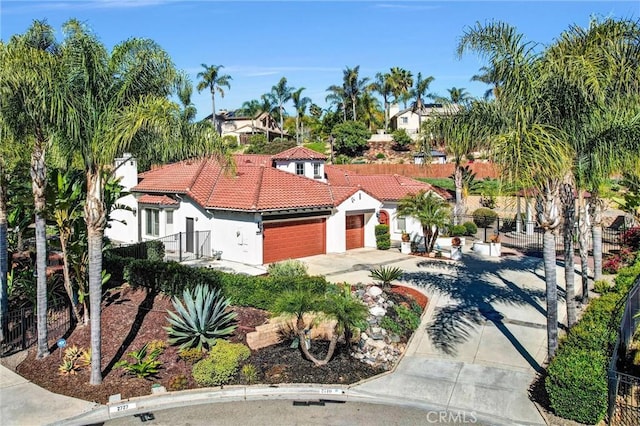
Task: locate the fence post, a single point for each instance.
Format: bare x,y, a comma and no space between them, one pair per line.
23,326
180,246
197,244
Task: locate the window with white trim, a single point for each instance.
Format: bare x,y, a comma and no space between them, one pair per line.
152,222
404,120
316,170
401,224
300,168
169,217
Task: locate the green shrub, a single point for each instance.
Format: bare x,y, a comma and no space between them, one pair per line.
601,286
470,228
287,269
155,250
170,278
145,363
391,326
383,238
386,274
221,365
177,383
577,385
191,355
484,217
457,230
380,156
249,373
409,320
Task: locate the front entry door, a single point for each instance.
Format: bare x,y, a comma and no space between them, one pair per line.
189,242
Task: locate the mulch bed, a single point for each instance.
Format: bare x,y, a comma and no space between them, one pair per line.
420,298
131,318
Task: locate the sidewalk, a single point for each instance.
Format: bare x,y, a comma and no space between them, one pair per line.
481,340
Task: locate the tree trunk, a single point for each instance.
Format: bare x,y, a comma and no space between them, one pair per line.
281,122
549,219
297,130
310,357
353,107
64,239
4,261
569,214
458,183
95,217
583,234
38,185
386,114
549,247
213,115
595,207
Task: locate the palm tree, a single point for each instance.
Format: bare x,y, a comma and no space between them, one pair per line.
489,76
300,104
529,150
457,131
29,106
430,210
383,86
281,94
338,97
458,95
419,92
353,87
401,82
116,102
214,81
251,109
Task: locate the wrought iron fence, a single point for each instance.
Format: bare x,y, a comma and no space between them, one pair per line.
180,247
527,236
624,389
21,331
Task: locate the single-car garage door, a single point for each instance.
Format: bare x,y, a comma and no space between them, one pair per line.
290,240
355,231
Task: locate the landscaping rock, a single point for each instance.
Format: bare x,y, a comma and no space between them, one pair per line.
374,291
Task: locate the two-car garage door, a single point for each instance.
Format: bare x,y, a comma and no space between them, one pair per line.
294,239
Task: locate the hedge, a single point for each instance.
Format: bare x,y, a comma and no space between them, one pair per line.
577,377
383,238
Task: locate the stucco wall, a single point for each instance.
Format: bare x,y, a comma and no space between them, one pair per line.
290,166
237,235
359,202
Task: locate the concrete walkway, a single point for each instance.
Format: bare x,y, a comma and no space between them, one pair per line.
481,340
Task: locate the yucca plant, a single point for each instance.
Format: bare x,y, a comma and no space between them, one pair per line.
201,319
386,274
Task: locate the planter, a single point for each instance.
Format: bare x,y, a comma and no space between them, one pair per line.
405,247
446,241
487,249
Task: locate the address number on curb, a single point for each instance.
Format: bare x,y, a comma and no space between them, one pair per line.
122,407
331,391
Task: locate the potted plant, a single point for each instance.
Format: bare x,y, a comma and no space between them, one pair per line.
405,237
405,245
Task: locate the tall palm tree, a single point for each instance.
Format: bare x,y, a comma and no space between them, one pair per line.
214,81
383,86
401,82
369,109
29,106
458,95
300,104
338,97
489,76
281,94
457,130
353,87
601,62
251,109
419,92
529,150
430,210
116,102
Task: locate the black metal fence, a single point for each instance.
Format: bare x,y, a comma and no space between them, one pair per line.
527,236
180,247
21,331
624,389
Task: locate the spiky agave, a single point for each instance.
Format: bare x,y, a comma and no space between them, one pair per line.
202,318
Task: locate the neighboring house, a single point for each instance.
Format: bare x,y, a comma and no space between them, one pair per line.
242,128
410,121
270,208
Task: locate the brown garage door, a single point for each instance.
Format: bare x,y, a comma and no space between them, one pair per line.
355,231
290,240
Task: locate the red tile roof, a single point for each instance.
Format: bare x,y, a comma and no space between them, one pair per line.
161,200
382,187
299,153
257,186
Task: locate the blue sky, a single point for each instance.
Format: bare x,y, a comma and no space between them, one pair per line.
310,42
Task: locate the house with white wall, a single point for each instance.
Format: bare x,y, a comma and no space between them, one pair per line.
410,119
266,208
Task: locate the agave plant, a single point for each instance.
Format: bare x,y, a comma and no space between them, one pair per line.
201,319
386,274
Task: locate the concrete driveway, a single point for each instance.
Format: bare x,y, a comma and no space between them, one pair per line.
482,337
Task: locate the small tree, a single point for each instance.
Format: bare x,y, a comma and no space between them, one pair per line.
401,140
350,138
430,210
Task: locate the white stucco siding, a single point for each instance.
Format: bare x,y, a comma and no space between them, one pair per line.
238,236
359,203
123,224
310,168
412,226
